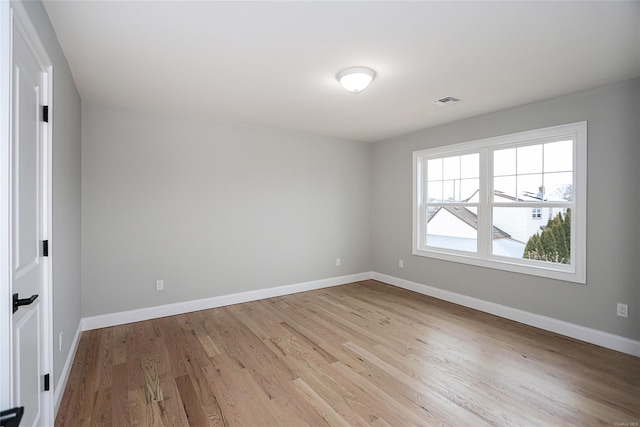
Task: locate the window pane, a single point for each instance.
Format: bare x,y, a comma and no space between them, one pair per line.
530,188
504,162
434,191
434,170
519,233
504,189
450,190
530,159
454,178
451,167
470,166
453,227
558,156
559,186
469,190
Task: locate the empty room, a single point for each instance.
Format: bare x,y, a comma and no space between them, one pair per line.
309,213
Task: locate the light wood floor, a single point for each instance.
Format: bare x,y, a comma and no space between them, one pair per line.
360,354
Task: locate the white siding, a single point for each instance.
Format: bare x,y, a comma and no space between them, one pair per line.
446,224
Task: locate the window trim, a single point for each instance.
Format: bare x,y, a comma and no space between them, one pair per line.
574,272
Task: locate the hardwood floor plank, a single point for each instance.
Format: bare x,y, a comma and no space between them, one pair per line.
380,422
191,403
120,410
258,358
451,409
200,385
101,411
105,358
360,354
152,389
173,340
318,331
86,385
353,404
209,346
237,404
396,412
171,407
331,417
120,338
309,343
271,408
141,414
279,370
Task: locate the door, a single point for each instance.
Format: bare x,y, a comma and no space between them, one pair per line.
28,225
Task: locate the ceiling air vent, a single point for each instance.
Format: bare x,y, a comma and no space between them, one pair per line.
447,100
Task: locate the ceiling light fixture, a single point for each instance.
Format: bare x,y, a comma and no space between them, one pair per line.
356,79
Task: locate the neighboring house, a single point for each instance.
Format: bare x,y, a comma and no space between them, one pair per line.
456,227
523,223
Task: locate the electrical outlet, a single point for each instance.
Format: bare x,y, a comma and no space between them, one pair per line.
337,262
401,264
60,341
623,310
159,285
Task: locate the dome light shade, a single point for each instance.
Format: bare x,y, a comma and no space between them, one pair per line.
356,79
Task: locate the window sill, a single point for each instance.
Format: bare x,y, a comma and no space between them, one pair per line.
539,269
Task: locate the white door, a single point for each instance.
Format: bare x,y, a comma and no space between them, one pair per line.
28,226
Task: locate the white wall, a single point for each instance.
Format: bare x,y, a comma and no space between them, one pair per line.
613,207
213,209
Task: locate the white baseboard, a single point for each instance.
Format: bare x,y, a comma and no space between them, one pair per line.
123,317
61,383
593,336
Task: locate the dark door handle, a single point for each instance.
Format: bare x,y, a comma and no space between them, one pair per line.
11,417
26,301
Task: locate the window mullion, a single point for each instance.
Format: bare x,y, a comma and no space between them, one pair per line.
421,208
484,209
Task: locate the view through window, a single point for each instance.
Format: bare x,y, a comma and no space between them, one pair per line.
511,202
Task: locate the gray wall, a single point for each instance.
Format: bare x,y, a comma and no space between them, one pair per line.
213,209
613,231
65,245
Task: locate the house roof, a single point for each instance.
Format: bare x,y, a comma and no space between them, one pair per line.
526,197
470,218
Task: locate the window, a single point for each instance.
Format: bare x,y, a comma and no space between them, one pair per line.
482,202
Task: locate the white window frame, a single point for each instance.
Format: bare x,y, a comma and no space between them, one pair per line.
573,272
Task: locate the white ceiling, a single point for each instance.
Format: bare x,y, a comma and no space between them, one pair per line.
274,64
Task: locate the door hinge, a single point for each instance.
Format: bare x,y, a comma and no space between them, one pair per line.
45,248
46,382
45,113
